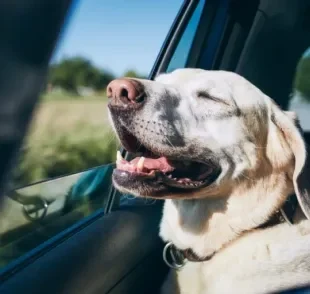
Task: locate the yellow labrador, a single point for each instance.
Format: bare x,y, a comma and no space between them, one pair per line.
226,159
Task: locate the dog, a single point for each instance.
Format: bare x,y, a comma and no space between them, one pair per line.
226,159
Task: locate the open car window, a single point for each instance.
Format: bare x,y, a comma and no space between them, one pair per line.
63,174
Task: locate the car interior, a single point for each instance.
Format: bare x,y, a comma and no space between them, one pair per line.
77,238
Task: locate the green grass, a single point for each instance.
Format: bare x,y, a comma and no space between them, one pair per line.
67,135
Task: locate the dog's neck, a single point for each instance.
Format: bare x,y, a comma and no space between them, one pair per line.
207,225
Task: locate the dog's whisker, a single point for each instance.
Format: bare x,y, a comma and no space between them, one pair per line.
260,147
248,178
169,141
110,136
143,133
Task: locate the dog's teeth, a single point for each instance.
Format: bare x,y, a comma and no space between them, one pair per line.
140,164
119,157
170,176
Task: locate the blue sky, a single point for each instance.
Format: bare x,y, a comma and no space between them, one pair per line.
118,34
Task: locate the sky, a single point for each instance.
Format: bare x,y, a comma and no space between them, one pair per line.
118,35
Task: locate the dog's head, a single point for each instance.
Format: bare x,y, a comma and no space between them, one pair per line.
199,134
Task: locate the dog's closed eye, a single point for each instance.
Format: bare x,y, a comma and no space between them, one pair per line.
206,95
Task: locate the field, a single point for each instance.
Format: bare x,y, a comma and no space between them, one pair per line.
68,134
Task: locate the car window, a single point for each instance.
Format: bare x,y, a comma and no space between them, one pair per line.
64,170
180,55
300,98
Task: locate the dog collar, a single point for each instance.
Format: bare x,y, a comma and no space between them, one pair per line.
284,214
176,258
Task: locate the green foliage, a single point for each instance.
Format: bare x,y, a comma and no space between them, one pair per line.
85,147
71,73
302,77
133,74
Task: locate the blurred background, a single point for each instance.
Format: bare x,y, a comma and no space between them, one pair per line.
102,40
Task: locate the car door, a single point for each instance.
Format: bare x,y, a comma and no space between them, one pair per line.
109,242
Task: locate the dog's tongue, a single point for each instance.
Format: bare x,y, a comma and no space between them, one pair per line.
145,165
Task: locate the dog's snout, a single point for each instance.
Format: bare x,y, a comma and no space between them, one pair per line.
125,91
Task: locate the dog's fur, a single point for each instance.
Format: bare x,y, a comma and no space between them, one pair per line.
196,114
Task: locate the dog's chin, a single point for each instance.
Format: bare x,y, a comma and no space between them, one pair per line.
160,186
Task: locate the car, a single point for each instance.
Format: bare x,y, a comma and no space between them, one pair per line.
76,233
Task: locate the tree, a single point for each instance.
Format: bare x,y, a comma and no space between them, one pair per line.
302,77
131,73
75,72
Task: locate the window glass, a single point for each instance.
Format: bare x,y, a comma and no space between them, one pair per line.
70,131
31,215
300,100
182,50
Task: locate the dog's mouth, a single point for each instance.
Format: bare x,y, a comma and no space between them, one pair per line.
173,173
158,174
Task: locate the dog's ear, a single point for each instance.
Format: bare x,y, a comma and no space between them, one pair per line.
290,131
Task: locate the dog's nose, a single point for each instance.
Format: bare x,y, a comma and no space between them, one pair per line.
125,91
